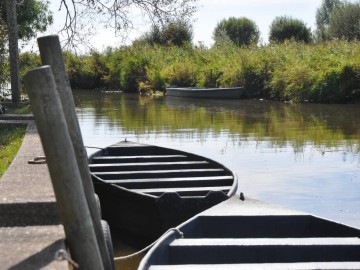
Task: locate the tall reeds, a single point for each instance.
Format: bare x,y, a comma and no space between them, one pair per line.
321,72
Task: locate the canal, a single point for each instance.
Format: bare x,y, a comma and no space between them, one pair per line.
301,156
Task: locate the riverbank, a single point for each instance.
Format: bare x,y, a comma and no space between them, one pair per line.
326,72
30,230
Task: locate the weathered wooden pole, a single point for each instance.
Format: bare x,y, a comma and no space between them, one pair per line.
51,54
64,171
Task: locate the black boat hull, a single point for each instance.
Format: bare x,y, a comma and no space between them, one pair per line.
142,199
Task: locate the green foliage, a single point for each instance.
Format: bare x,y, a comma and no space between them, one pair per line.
241,31
181,74
325,72
345,22
133,69
339,85
86,72
286,28
323,15
175,33
33,16
28,61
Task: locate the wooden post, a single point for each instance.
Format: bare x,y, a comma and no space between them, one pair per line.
51,54
64,171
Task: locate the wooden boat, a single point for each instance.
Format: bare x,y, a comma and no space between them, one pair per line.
145,189
251,234
206,93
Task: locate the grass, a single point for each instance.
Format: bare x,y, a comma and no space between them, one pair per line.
11,137
23,108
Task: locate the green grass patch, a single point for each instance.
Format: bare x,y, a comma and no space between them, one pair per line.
11,137
23,108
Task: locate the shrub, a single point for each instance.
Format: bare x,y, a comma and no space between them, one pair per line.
28,61
241,31
175,33
181,74
286,28
338,85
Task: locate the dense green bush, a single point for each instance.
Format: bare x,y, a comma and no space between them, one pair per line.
286,28
175,33
241,31
28,61
86,71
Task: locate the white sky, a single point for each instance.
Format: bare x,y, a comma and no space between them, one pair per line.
210,12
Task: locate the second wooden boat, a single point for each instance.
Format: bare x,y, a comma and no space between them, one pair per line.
250,234
146,189
206,93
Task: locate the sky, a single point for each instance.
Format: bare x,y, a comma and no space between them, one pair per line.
209,13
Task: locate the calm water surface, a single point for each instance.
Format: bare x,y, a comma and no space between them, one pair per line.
302,156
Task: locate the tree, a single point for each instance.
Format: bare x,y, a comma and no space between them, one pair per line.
24,20
286,28
82,15
241,31
175,33
32,16
323,15
3,50
13,50
345,22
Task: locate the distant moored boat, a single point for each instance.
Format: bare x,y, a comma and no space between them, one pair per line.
206,93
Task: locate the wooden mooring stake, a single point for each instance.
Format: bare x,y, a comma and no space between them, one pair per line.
51,54
65,176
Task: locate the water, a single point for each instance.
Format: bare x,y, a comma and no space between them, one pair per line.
301,156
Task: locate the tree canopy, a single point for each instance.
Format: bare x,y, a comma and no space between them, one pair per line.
21,19
33,16
175,33
345,22
323,15
241,31
286,28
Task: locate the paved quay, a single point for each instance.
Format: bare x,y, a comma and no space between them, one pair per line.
30,230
